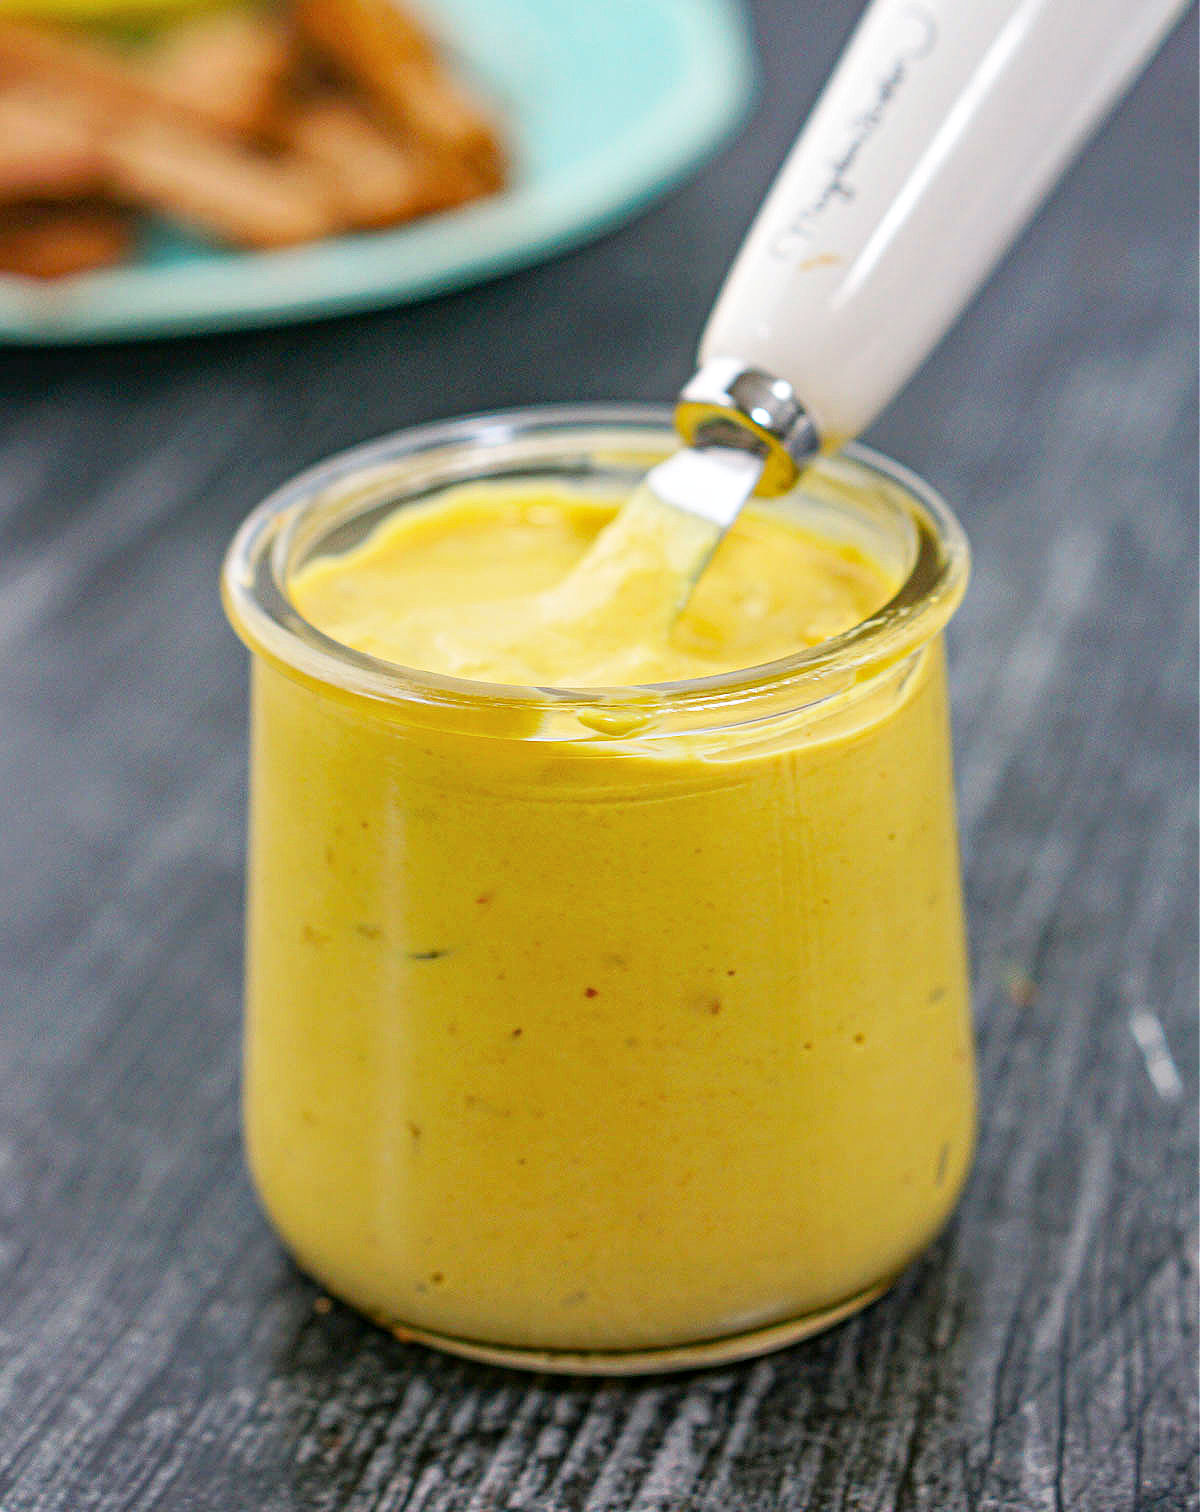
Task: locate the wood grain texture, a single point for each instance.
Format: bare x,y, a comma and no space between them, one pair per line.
158,1351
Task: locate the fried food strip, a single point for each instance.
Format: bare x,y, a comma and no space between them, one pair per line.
46,242
227,68
66,61
439,112
377,177
242,196
387,54
377,180
49,144
224,71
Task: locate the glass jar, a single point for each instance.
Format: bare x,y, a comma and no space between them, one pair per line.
613,1030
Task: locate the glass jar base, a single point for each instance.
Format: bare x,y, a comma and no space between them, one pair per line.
597,1362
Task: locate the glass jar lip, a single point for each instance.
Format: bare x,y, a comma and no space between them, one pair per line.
256,600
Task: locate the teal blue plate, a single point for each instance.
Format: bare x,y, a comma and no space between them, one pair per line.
604,104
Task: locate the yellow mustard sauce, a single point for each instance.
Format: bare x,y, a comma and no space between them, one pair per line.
611,1045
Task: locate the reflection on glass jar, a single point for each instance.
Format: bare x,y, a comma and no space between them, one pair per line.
620,1029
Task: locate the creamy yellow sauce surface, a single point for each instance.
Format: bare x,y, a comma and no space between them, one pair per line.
511,587
607,1044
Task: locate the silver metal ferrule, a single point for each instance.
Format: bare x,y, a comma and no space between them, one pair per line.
730,404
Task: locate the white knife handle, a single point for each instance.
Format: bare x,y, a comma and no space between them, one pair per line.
942,129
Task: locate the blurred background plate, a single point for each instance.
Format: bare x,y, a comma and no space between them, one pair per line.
603,103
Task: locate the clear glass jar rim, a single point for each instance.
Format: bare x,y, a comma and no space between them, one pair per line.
257,602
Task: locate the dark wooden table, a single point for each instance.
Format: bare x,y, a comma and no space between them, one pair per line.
157,1349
